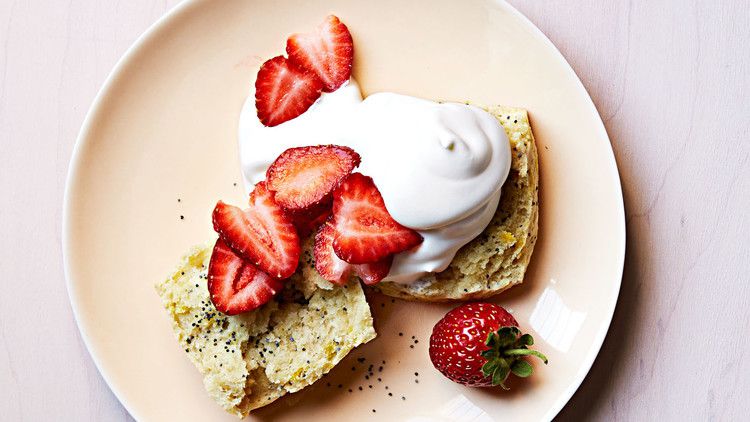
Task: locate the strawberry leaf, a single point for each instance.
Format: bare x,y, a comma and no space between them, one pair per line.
500,374
491,341
526,340
490,353
507,336
521,368
489,368
505,354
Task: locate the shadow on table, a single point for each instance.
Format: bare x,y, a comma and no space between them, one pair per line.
611,367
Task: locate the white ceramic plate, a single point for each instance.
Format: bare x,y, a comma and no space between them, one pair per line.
160,142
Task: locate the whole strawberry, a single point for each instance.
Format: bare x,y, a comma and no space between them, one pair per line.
479,345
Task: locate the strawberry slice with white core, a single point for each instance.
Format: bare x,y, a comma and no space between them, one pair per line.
304,177
328,52
365,231
338,271
283,91
236,285
261,234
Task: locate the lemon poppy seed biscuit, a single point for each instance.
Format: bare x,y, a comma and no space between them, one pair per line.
497,259
250,360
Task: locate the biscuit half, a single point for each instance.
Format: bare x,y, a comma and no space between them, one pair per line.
497,259
250,360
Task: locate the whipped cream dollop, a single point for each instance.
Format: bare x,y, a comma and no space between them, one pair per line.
438,166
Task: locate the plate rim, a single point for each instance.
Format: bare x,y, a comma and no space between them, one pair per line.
590,358
596,347
75,162
94,110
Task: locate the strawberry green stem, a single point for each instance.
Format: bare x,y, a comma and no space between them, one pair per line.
525,352
507,348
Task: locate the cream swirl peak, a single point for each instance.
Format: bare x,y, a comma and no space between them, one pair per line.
438,166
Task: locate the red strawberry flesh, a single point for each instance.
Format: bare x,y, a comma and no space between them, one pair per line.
328,52
262,234
304,177
329,266
365,231
236,285
338,271
375,272
283,91
308,221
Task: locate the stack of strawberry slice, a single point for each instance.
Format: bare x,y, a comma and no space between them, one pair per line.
320,61
306,188
257,248
360,236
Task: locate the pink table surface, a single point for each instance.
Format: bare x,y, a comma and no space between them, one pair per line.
670,79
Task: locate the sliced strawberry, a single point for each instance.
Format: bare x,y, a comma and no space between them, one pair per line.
308,221
338,271
236,285
365,231
373,273
305,176
283,91
328,52
330,266
262,234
